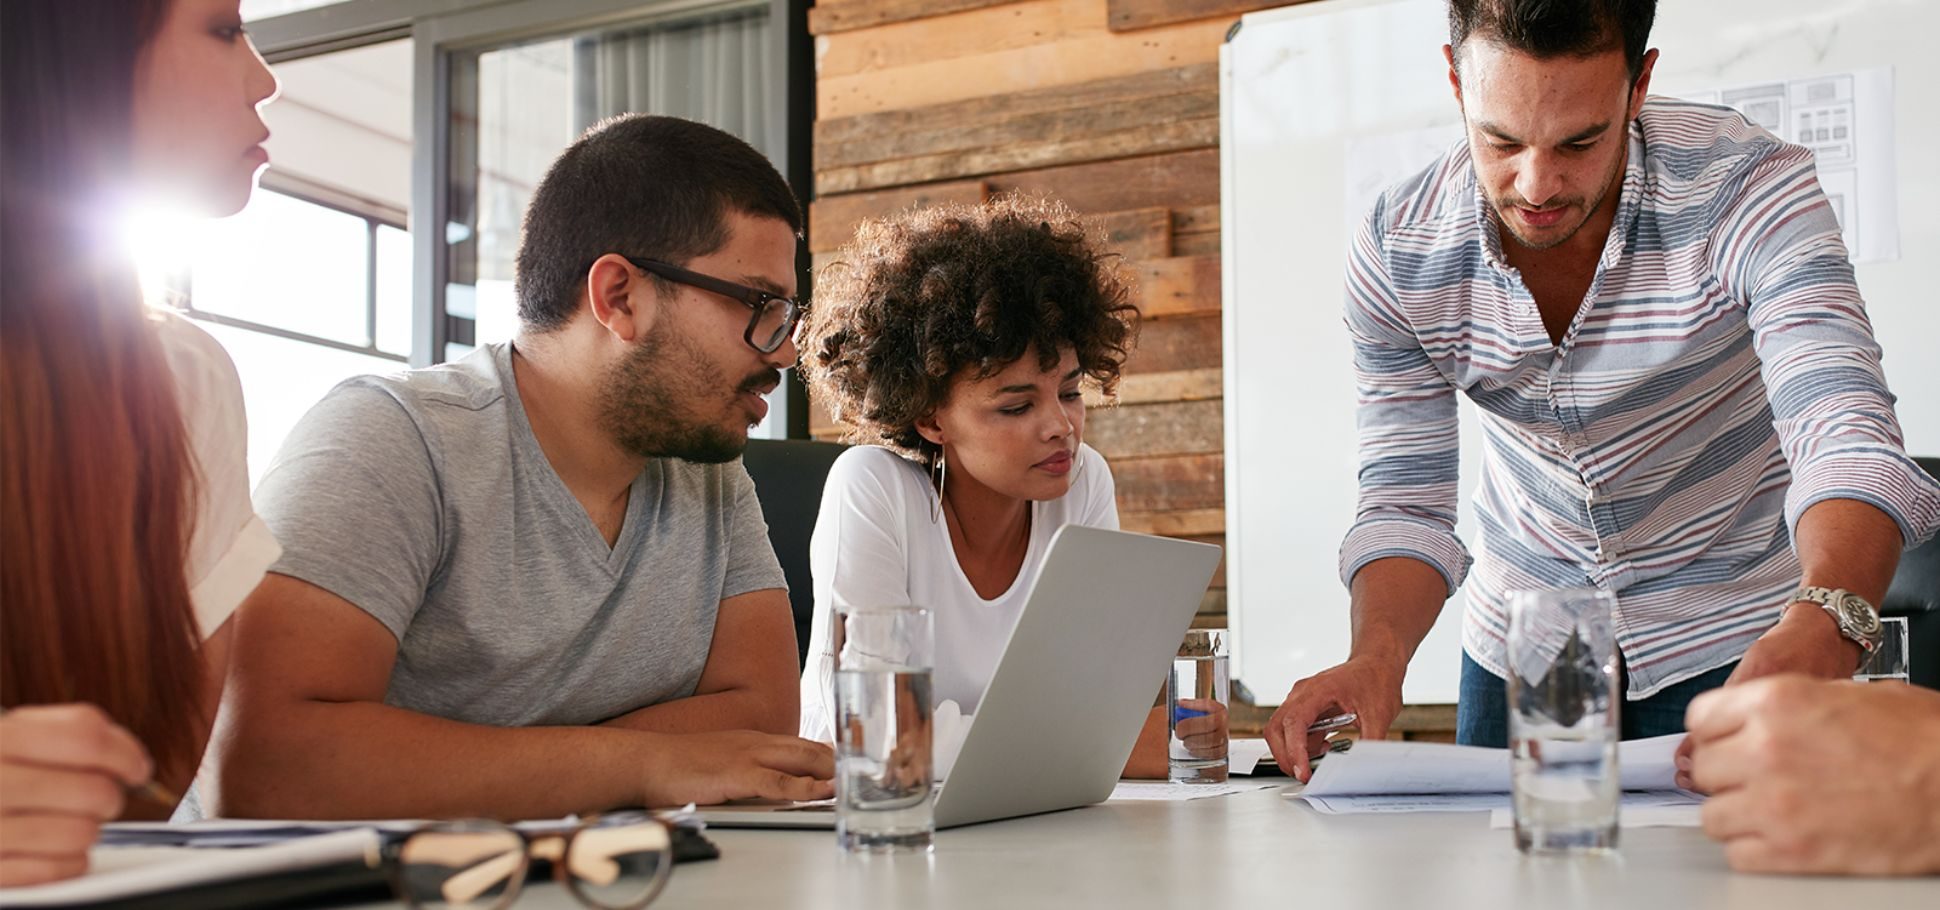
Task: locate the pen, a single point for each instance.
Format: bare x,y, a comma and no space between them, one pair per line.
1336,722
155,793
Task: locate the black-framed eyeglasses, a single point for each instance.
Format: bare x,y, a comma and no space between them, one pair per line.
775,317
613,862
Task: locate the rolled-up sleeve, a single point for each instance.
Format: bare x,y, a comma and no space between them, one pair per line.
1821,364
1407,425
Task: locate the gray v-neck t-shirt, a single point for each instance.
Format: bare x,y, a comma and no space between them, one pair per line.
424,499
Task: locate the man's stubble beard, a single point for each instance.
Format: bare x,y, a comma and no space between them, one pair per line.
648,398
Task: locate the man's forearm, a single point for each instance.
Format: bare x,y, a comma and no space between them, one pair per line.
1841,543
734,709
369,760
1845,543
1395,603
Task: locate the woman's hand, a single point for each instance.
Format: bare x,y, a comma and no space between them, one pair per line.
64,770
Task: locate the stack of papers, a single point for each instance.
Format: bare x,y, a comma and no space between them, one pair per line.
126,872
1378,776
261,862
1247,757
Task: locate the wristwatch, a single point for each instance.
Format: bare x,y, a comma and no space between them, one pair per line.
1856,618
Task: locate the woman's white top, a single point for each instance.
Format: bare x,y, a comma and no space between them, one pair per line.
230,548
875,544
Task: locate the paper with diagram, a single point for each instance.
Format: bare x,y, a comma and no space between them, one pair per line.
1383,777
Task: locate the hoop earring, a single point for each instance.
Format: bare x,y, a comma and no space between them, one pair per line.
940,474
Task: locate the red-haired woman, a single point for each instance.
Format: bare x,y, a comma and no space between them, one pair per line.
126,532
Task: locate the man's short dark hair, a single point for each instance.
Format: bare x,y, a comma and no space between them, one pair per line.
642,186
1555,28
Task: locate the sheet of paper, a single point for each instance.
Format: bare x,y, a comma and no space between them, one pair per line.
119,872
1405,802
1641,809
1651,809
1380,767
1247,755
226,833
1171,792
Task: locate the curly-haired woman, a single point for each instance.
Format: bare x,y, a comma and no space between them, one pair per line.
953,343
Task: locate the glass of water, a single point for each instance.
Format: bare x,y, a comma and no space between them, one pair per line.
1563,720
1889,660
1196,696
883,759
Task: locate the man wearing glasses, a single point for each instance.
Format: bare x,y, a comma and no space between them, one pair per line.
536,581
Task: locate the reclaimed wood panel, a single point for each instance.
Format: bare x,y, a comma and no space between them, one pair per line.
1206,244
1171,180
1144,113
970,33
1196,219
1176,385
827,18
1172,483
1135,236
1195,230
1179,286
1189,179
832,220
1169,135
1130,15
938,72
1138,235
1102,104
1175,524
1182,343
1169,428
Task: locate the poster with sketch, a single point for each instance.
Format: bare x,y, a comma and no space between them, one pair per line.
1846,119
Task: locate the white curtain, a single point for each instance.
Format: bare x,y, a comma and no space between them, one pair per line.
714,70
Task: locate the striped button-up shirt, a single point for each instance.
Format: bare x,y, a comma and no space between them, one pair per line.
1719,379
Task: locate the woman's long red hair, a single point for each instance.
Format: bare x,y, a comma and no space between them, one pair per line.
97,489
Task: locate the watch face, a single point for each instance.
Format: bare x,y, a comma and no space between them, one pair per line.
1861,615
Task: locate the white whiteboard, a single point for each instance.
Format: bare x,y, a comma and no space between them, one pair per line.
1302,84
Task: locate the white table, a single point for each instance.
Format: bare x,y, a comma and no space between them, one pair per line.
1239,852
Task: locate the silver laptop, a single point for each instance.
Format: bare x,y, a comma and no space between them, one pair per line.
1091,649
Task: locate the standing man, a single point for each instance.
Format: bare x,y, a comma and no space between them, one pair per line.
536,581
1681,398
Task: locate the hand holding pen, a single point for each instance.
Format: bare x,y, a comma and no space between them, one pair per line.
65,770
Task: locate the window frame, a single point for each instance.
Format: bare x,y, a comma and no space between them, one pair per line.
374,216
440,30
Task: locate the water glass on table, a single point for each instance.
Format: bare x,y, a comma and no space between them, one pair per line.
883,756
1196,696
1890,660
1563,719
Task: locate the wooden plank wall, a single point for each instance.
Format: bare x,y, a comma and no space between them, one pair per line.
1111,106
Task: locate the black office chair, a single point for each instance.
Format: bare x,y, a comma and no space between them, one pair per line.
788,478
1915,594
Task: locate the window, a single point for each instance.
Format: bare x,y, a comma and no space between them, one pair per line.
318,280
302,295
